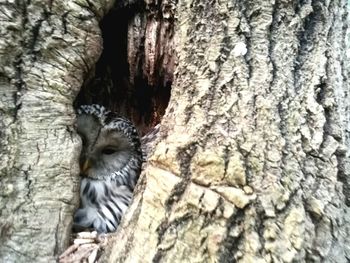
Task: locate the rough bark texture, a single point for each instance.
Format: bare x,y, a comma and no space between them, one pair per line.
252,158
252,161
46,49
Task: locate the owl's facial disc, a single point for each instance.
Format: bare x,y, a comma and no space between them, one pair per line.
105,154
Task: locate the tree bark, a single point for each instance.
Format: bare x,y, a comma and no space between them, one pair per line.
251,163
252,160
46,49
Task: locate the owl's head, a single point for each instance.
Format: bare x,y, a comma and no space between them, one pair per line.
108,142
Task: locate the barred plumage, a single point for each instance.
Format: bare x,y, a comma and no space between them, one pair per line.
110,164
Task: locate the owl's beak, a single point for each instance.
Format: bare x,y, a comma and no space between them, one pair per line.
86,166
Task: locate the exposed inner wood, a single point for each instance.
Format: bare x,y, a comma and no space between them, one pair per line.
134,73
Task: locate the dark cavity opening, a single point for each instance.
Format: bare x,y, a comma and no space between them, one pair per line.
124,79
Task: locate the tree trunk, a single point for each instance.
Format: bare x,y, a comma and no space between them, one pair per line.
46,49
251,162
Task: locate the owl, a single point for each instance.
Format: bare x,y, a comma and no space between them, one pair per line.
110,164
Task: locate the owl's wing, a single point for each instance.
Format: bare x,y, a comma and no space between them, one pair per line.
148,142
